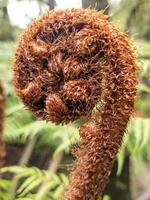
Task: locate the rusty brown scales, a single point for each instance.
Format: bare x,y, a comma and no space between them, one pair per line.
75,63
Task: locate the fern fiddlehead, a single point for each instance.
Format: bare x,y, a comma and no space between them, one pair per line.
2,108
74,63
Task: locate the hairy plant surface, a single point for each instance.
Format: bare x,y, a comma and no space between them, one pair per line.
74,63
2,107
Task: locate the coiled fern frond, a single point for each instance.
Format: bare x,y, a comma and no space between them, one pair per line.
73,64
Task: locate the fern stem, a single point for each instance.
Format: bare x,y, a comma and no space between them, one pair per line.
52,168
24,160
28,151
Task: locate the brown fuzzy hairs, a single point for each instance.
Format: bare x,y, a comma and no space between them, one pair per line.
2,108
75,63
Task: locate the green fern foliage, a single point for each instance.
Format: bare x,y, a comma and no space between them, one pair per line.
31,179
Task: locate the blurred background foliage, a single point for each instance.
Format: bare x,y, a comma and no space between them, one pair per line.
38,153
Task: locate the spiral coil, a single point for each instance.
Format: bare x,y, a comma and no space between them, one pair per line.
74,63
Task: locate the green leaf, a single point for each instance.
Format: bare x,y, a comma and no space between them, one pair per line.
146,133
120,159
32,186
